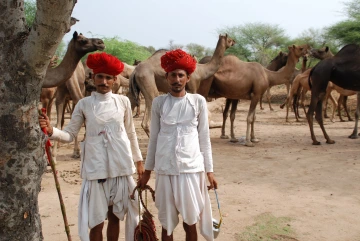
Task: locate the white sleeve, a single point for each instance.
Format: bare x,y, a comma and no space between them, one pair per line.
204,135
73,128
130,130
154,131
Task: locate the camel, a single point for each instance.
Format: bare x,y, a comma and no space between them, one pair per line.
67,76
277,63
341,100
236,79
342,70
301,86
48,94
149,78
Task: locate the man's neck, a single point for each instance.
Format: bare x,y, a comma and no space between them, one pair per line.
179,94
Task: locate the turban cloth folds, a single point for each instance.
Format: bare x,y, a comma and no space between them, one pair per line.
104,63
178,59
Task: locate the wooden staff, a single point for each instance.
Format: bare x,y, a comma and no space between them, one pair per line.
57,184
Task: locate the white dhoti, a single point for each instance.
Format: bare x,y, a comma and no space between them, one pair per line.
185,194
95,198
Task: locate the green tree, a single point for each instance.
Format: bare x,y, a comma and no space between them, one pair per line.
22,153
198,50
347,31
256,42
30,11
316,38
125,50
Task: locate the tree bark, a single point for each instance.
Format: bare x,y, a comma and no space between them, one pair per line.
24,57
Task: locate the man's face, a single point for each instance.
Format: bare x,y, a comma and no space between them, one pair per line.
104,82
177,80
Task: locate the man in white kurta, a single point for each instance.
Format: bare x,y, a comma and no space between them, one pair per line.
107,155
179,151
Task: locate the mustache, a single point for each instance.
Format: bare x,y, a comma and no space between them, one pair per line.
176,84
102,85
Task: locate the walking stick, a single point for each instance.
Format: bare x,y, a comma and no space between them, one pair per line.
57,184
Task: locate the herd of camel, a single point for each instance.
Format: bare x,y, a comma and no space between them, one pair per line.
216,76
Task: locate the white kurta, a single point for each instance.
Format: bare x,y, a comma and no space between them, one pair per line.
180,153
107,153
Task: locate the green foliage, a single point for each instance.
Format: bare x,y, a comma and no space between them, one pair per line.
347,31
316,38
125,50
30,12
256,42
198,50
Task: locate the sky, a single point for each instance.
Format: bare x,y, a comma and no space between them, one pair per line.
156,22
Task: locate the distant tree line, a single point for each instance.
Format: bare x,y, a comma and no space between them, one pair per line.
255,42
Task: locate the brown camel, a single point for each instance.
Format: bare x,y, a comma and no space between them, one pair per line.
277,63
343,70
48,94
149,78
341,100
300,86
72,87
236,79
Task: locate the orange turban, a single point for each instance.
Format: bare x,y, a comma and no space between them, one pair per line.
178,59
104,63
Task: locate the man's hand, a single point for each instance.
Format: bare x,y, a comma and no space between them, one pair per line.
212,181
144,179
140,169
45,123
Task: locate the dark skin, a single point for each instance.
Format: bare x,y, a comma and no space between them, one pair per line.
103,83
177,80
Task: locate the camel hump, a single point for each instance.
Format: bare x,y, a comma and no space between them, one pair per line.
349,51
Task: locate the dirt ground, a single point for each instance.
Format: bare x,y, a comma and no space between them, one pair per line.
284,188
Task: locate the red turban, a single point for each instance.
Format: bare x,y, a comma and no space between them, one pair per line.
104,63
178,59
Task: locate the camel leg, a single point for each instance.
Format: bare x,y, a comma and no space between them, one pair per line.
340,102
253,138
345,98
250,122
302,102
225,115
287,89
310,118
354,135
319,118
334,104
268,96
234,104
149,90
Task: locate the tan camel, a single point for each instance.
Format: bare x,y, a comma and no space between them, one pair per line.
48,94
342,70
300,86
341,100
277,63
149,78
236,79
72,87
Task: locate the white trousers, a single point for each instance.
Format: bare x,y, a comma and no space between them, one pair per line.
186,194
95,198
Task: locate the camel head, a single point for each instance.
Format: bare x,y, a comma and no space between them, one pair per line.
227,41
84,45
281,59
321,53
299,51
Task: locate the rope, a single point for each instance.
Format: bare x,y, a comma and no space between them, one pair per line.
146,230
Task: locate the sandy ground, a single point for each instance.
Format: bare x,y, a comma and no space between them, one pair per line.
315,187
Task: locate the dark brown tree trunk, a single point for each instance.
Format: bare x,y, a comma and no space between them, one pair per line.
24,56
